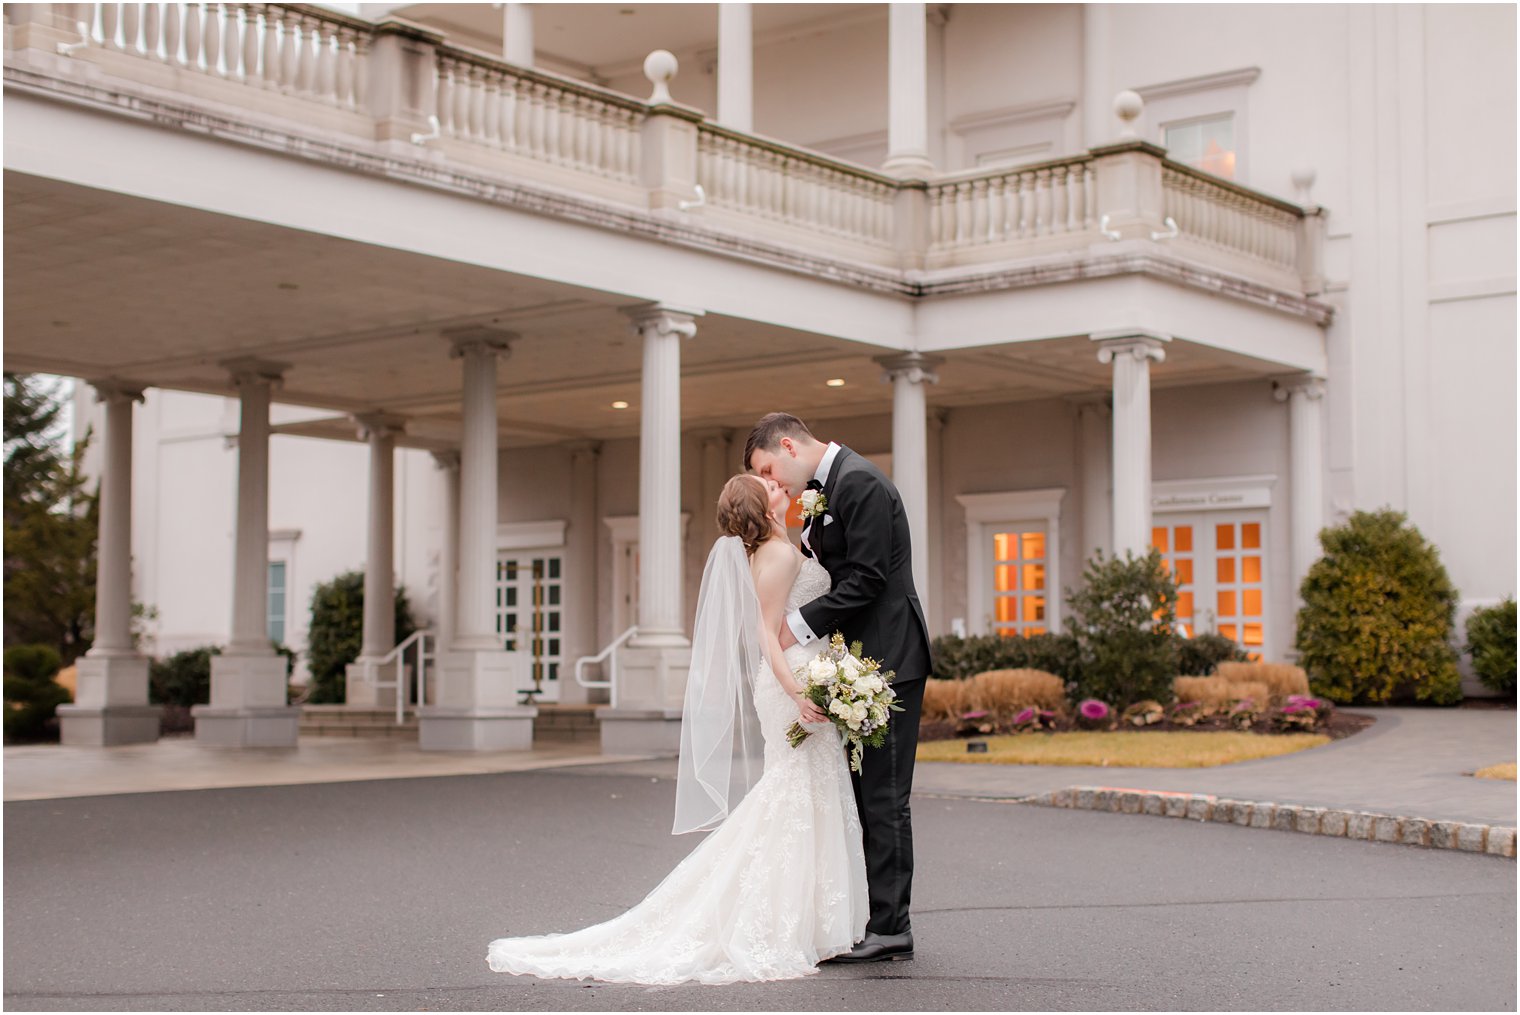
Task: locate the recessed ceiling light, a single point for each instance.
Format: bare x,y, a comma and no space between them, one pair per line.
835,382
620,404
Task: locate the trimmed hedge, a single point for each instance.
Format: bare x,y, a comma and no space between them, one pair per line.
1491,643
1123,619
32,695
1376,624
337,633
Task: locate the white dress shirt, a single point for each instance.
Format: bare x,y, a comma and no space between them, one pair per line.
800,629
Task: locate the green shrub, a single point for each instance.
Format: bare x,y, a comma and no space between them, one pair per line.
183,679
1491,642
337,633
31,702
34,663
1122,620
958,658
1199,656
1376,624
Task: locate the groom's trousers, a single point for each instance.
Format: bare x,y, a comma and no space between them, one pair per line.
881,796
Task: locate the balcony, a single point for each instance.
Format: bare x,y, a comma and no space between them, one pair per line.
396,100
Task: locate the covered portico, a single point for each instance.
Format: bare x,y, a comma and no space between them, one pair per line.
460,297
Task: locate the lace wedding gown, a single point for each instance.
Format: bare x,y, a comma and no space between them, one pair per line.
774,889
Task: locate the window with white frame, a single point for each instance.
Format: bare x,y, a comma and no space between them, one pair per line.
1013,561
1207,143
275,623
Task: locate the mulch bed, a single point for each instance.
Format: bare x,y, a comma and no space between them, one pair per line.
1339,726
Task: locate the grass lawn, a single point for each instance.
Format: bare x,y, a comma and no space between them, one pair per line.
1140,750
1491,772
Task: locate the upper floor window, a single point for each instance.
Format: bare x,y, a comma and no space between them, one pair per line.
1207,143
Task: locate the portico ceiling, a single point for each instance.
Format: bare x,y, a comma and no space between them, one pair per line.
100,284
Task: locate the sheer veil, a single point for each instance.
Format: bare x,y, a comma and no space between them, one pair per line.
721,748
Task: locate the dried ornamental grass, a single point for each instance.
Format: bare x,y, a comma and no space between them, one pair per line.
1005,692
1218,691
1281,679
942,699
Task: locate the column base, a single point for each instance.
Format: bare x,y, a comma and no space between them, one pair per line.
247,726
108,725
640,730
476,729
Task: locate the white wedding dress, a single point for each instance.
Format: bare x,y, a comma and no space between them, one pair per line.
773,890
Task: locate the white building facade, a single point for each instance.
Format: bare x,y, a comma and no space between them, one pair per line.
478,295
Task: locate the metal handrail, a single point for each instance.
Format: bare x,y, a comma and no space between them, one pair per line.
419,638
611,682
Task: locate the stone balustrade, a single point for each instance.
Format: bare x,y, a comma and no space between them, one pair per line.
403,89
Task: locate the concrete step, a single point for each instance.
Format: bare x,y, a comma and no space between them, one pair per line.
566,724
342,721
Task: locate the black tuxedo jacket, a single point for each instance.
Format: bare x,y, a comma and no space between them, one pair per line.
861,539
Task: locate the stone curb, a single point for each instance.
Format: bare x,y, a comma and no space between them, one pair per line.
1494,840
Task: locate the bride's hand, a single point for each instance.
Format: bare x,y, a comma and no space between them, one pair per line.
811,713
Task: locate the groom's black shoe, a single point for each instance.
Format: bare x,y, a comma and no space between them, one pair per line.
879,948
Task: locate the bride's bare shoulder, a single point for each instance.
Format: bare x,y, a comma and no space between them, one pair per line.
777,553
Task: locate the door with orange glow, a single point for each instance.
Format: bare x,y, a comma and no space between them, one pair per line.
1219,563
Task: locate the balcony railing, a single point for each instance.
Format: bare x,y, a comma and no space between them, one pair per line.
405,91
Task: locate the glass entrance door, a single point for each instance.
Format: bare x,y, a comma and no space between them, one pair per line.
1219,563
529,600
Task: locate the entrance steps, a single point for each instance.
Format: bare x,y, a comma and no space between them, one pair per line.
560,724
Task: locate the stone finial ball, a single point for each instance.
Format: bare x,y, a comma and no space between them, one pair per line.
1303,177
660,66
1127,105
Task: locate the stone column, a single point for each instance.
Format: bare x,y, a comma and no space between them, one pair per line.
1306,462
909,372
717,467
934,606
652,670
907,91
248,681
448,562
380,430
582,538
1097,475
111,703
736,61
477,707
517,34
1131,354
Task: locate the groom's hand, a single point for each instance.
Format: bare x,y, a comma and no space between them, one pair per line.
788,639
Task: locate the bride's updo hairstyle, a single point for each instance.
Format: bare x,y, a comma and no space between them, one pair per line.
744,511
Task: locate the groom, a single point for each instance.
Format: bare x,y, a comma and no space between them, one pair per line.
860,536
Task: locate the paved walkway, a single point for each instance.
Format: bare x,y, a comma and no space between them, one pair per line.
1411,762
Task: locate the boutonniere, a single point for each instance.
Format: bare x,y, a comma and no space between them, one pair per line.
814,503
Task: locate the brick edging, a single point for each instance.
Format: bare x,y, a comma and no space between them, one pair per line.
1495,840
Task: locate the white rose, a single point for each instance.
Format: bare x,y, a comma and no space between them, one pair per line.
860,711
870,684
854,724
820,671
854,667
839,708
808,499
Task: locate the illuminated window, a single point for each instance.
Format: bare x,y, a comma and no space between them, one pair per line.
1207,144
1220,576
1018,582
529,600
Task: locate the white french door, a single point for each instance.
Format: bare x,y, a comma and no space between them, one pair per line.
1218,560
529,601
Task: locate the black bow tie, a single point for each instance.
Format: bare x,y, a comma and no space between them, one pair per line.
813,484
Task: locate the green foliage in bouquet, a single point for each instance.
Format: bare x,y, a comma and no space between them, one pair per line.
1491,641
1377,618
853,691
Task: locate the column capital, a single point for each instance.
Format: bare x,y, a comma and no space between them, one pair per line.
478,338
447,459
250,370
1309,386
583,448
712,434
916,367
1097,402
114,389
1141,345
663,320
379,424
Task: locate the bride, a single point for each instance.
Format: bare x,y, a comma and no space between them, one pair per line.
780,884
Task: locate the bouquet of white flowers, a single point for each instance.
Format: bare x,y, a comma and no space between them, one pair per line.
855,692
